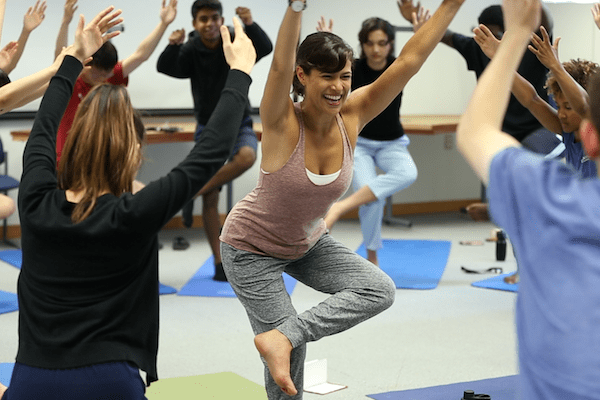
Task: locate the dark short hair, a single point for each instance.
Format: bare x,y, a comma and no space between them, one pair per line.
593,89
375,24
106,57
211,4
324,51
492,16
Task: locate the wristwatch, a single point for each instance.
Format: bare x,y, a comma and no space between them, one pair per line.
297,5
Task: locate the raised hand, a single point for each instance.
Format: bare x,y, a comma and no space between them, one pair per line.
168,12
322,25
89,38
34,16
70,8
419,18
407,9
177,37
546,52
486,40
245,15
7,54
522,14
596,14
239,54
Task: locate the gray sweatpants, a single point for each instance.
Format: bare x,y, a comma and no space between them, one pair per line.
359,290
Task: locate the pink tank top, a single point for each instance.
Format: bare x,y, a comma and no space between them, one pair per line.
283,216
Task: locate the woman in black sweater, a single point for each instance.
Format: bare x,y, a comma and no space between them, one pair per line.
88,288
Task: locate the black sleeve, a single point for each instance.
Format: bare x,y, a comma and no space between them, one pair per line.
39,157
157,203
469,49
260,40
175,61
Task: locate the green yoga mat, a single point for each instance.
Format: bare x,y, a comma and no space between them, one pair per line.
223,385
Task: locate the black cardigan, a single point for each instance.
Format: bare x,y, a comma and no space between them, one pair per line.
88,292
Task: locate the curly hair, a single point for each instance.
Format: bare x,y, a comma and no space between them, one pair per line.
579,69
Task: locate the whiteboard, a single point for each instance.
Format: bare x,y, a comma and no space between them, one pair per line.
442,86
149,89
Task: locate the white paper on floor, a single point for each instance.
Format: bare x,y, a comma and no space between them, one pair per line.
315,378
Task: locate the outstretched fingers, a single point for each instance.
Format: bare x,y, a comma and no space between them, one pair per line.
107,19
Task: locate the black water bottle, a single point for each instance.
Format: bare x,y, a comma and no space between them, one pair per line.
501,246
470,395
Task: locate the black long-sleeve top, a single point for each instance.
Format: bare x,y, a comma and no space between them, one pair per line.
88,292
206,68
385,126
518,121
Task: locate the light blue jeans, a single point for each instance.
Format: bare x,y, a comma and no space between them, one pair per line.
400,171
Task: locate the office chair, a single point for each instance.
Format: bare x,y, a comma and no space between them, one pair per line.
6,183
388,216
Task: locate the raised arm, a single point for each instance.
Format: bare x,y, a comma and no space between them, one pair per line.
146,48
276,105
259,38
523,91
33,18
411,12
63,32
526,94
547,53
368,101
479,136
2,8
17,93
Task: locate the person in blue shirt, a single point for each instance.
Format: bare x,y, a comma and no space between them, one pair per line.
532,198
566,84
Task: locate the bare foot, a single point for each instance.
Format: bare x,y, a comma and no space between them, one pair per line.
333,215
276,349
512,278
2,390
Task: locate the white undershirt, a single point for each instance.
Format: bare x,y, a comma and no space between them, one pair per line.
319,180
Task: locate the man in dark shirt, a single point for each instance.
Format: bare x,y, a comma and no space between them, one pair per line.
518,121
201,59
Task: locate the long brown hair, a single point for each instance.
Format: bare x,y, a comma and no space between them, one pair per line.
102,152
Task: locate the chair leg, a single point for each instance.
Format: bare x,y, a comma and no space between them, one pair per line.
388,216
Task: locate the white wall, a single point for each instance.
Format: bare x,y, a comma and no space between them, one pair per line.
443,86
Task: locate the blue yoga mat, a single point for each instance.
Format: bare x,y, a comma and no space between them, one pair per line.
8,302
13,257
164,289
504,388
412,264
6,373
202,284
497,282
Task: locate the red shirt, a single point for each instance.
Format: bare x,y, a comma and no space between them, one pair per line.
80,90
